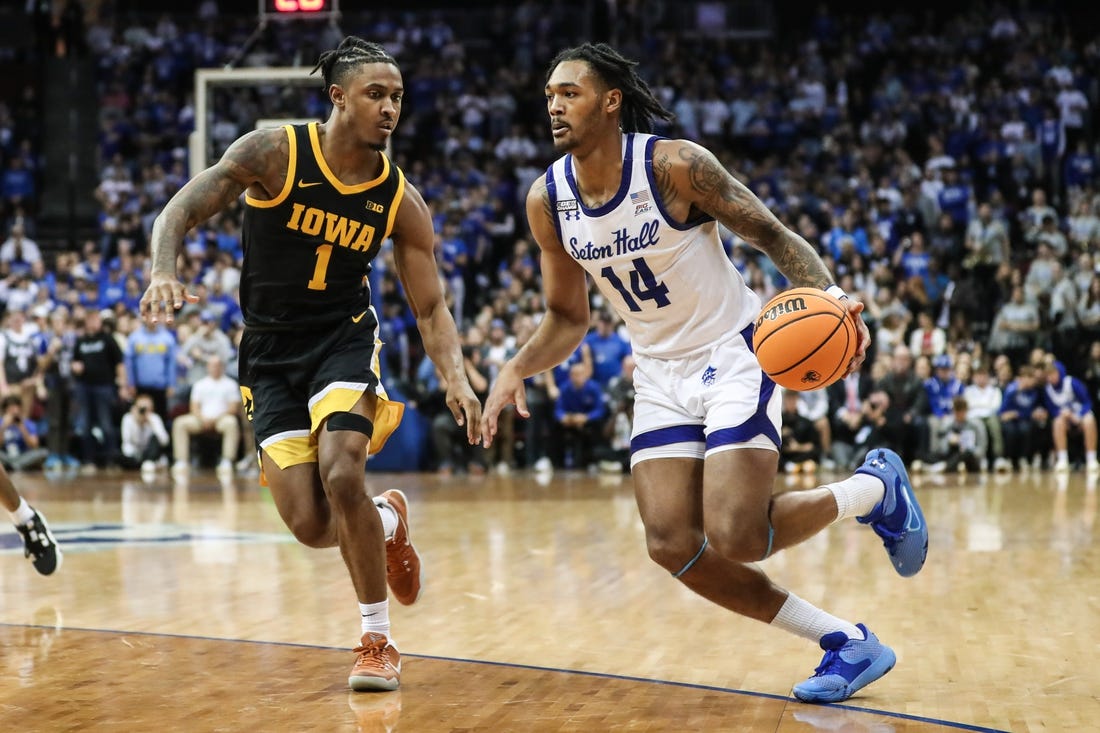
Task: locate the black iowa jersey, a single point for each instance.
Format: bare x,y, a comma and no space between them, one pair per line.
307,251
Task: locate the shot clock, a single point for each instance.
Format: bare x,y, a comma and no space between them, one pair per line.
298,9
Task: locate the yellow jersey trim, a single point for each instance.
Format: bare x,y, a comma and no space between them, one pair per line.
315,142
291,166
398,195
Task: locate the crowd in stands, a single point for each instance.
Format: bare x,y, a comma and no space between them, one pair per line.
945,166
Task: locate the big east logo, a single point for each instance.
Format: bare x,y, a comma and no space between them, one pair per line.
790,305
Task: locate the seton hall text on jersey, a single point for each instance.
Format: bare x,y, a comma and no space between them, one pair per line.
624,243
337,229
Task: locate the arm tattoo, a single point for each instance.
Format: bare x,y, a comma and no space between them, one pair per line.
729,201
254,158
662,174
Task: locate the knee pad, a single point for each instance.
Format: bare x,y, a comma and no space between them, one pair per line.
350,421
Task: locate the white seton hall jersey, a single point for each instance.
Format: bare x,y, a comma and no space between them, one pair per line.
671,283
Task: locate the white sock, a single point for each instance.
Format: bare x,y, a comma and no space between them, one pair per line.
1090,456
857,495
1063,456
802,619
376,617
22,514
388,515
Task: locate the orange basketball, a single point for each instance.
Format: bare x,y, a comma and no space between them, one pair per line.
804,339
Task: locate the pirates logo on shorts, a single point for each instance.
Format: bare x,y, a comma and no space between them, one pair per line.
709,375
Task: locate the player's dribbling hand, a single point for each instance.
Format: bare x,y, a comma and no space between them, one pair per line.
854,309
466,408
165,294
508,390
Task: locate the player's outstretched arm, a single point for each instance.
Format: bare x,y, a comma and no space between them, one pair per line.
414,258
690,174
256,159
565,289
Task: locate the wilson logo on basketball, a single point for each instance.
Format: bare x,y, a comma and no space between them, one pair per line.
790,305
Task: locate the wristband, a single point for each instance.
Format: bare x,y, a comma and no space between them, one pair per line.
836,291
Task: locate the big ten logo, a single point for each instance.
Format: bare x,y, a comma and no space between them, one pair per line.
337,229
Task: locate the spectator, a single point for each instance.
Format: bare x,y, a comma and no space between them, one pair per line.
927,339
144,437
214,407
579,412
21,450
964,441
607,348
207,343
846,398
151,363
99,372
18,251
987,248
56,347
1048,233
452,449
1067,401
940,391
814,406
1015,328
1023,419
18,349
874,423
1088,310
800,449
613,453
984,399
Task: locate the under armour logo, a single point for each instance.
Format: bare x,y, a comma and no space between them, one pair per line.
571,215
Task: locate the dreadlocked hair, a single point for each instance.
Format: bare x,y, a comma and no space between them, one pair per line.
352,52
640,108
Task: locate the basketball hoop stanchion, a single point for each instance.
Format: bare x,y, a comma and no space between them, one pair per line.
206,79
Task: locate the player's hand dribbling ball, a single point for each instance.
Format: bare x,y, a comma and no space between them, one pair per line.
804,339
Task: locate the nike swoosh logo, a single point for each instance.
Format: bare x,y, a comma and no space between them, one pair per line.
356,319
303,184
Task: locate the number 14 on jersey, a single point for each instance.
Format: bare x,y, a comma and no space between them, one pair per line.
643,285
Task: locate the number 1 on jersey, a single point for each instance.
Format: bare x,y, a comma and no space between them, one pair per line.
324,253
642,282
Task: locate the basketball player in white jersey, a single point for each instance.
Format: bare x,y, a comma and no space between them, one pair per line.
638,214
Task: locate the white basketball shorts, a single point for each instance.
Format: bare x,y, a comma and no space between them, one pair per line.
704,403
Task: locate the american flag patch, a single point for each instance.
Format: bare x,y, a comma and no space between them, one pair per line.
639,197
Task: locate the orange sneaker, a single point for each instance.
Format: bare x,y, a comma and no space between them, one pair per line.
402,560
378,666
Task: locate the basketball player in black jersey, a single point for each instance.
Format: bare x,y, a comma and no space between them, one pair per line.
320,199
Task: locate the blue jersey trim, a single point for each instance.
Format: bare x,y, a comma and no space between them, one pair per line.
624,184
667,436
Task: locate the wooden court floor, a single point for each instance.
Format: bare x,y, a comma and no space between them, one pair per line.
187,607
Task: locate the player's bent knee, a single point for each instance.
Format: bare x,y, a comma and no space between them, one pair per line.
741,542
343,480
673,550
312,532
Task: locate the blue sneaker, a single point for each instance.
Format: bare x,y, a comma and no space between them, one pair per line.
848,665
897,519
